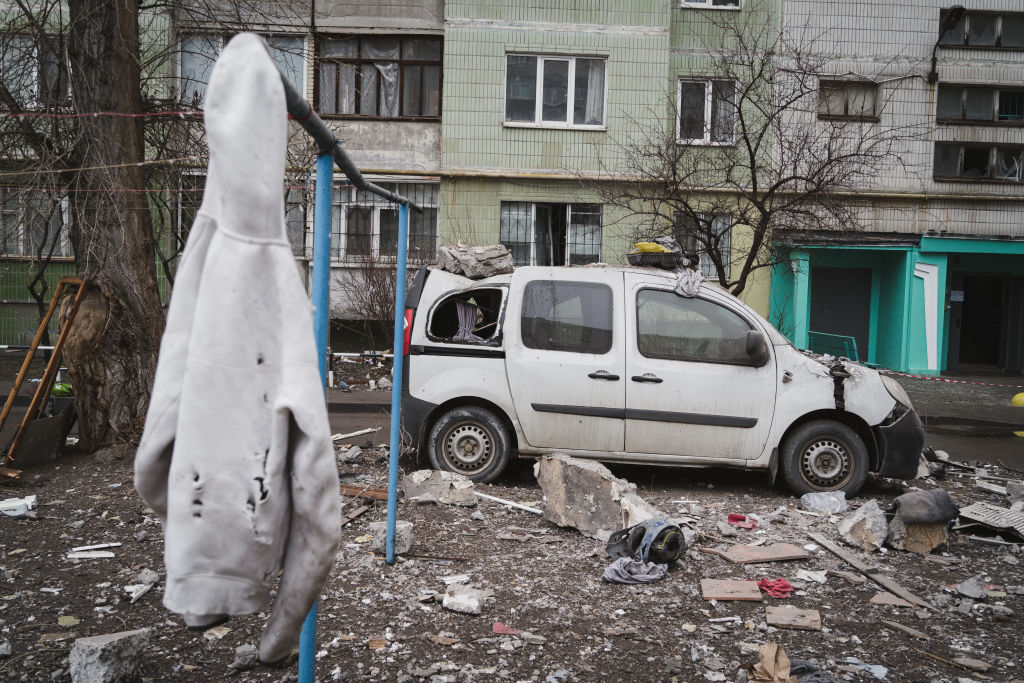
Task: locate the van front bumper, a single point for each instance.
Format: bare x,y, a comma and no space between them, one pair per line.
900,446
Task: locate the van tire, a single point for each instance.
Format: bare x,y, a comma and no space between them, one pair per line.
824,455
471,441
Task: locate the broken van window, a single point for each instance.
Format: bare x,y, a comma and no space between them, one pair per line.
470,316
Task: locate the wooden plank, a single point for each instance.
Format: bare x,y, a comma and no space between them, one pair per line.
355,513
730,589
363,492
793,617
747,554
884,598
906,629
870,572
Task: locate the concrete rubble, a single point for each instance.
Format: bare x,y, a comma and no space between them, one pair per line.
108,658
475,262
403,536
432,486
917,538
246,657
585,495
461,598
865,528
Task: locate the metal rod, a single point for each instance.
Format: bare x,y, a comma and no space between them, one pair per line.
327,143
396,382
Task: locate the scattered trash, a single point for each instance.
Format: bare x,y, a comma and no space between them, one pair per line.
742,521
442,640
990,487
90,555
17,507
97,546
809,672
730,589
825,502
245,657
655,540
5,649
363,492
67,620
365,538
403,536
876,670
146,579
775,588
351,456
110,657
995,519
216,633
816,577
585,495
746,554
773,666
433,486
785,616
865,528
628,570
342,437
906,629
509,503
504,630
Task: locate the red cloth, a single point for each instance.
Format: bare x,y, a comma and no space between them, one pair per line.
777,588
742,522
505,630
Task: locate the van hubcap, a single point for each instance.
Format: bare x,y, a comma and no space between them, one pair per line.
825,463
468,447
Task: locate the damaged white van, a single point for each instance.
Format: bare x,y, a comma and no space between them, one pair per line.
610,363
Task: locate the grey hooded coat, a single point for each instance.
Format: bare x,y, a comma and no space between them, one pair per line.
236,456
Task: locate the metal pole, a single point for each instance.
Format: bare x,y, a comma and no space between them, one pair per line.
321,322
396,381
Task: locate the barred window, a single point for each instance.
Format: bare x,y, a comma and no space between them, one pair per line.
686,230
542,234
364,226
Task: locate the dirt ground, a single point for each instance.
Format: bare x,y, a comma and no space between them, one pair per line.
545,581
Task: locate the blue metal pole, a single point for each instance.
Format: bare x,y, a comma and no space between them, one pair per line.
321,322
396,381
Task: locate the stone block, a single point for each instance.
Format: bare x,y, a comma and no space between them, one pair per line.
585,495
433,486
403,536
865,528
108,658
462,598
917,538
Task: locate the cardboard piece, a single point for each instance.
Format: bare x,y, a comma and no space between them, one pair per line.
793,617
730,589
746,554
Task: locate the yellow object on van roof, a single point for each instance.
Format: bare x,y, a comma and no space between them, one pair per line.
652,248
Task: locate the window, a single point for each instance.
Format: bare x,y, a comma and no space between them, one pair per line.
707,112
35,71
985,30
470,317
31,222
673,327
972,104
712,4
856,100
572,92
365,226
199,51
978,161
685,232
551,234
380,76
567,316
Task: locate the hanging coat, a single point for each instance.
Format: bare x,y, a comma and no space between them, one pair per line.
236,457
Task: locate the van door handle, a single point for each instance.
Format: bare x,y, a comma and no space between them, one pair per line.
604,374
647,377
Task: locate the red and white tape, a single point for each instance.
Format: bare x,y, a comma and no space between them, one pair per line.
951,381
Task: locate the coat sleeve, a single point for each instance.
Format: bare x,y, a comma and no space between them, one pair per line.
315,527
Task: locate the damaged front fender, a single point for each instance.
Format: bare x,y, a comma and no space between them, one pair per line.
900,444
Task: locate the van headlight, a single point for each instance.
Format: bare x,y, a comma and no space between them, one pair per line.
896,391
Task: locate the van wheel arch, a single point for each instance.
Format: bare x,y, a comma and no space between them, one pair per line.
859,426
462,401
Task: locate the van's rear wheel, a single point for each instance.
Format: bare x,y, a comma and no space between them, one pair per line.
824,455
469,440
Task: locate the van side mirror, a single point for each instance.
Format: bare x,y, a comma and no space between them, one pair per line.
757,348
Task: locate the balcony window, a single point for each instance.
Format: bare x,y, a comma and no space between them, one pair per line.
571,92
991,30
980,105
969,161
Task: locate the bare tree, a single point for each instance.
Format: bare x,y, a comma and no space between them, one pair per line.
752,146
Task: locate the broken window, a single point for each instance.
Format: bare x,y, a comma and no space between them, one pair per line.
848,100
471,316
380,76
690,329
955,161
572,90
541,234
958,103
985,30
707,111
567,316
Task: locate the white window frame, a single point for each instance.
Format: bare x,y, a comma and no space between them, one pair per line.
63,252
568,231
538,112
221,40
708,94
340,254
706,4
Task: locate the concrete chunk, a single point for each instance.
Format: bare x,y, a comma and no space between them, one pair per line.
585,495
108,658
433,486
476,262
462,598
403,536
917,538
865,528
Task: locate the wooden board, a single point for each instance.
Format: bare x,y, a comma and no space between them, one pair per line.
363,492
746,554
730,589
793,617
884,598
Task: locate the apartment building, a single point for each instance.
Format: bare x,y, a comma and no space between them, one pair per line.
936,279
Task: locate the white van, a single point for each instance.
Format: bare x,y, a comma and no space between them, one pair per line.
609,363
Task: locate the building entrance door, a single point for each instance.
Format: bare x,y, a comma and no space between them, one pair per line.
841,304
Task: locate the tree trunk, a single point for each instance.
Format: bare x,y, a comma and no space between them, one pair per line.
112,349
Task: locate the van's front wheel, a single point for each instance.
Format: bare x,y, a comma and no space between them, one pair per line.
824,455
469,440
